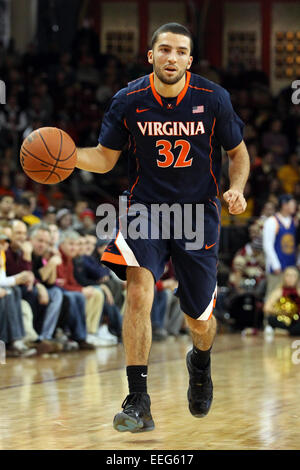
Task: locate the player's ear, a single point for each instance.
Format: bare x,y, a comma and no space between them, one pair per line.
150,57
190,62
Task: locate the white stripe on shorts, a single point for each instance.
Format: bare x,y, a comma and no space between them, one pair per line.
126,251
206,314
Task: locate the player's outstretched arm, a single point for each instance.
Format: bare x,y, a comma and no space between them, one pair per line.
97,159
239,167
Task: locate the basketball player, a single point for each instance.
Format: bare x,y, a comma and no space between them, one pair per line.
175,123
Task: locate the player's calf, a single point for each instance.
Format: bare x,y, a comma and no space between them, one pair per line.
200,391
198,327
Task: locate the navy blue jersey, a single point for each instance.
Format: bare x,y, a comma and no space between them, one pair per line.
174,143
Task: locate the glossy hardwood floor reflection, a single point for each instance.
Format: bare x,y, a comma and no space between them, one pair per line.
68,401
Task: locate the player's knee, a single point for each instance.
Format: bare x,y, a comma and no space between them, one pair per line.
139,297
140,288
138,285
200,327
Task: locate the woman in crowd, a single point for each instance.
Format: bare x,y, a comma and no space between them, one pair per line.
282,308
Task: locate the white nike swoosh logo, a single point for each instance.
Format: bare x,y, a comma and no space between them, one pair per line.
144,375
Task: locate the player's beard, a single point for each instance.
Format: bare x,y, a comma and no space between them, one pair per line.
168,80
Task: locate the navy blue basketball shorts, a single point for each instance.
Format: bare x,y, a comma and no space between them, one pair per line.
145,238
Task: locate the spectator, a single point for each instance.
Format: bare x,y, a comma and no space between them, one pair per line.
6,228
87,218
268,210
20,183
11,317
275,191
34,209
282,307
261,178
249,264
54,240
12,117
37,112
19,259
23,212
80,206
6,208
289,174
279,241
275,141
50,216
64,219
88,272
174,318
244,300
40,239
5,185
18,254
85,302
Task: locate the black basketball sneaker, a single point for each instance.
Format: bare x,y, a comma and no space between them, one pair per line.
200,391
136,415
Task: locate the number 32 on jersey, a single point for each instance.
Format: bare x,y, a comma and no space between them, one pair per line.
169,158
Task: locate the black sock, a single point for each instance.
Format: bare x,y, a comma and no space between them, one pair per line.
200,359
137,378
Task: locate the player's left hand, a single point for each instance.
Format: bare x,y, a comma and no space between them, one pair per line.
236,202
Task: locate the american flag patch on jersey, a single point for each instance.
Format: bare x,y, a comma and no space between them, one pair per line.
198,109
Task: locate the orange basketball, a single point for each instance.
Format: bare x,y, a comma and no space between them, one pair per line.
48,155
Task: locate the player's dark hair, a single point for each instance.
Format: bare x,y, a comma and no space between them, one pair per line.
174,28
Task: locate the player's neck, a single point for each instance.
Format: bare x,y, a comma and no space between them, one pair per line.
169,91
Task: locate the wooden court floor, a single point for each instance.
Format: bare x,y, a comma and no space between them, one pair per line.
68,401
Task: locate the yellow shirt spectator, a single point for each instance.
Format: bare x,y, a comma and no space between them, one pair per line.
289,174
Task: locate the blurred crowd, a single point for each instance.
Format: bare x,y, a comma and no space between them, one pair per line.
55,294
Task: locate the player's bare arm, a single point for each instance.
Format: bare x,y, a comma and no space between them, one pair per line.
239,167
98,159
